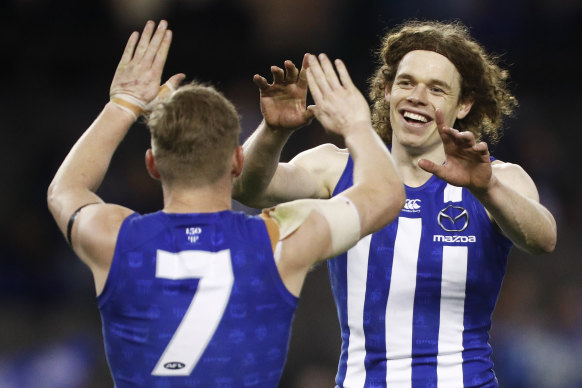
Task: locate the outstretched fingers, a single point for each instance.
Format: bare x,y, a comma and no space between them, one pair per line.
162,51
302,78
318,77
291,72
157,41
429,166
481,147
345,78
449,135
129,48
144,40
278,75
313,86
261,82
329,72
440,121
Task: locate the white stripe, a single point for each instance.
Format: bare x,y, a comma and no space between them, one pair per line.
400,304
357,274
453,193
184,264
450,348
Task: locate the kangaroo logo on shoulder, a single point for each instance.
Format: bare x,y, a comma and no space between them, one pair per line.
453,218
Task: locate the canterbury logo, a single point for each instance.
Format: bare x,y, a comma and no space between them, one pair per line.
453,219
412,205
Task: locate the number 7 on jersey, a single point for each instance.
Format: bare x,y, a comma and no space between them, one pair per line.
205,311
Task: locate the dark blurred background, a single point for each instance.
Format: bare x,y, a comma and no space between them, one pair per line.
59,57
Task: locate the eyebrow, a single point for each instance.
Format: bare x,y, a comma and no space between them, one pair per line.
431,81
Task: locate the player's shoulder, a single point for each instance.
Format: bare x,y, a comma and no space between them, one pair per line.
508,169
326,162
514,175
96,231
327,152
101,218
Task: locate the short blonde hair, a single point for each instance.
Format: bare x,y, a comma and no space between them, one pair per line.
194,132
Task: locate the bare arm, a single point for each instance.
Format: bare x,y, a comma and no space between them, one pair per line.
505,189
342,109
377,194
264,181
94,230
512,200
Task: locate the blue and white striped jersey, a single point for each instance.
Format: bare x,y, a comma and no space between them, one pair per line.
415,299
195,300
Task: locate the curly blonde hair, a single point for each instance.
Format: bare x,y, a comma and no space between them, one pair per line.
482,80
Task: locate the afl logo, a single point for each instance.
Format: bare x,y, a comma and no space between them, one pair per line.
174,365
453,219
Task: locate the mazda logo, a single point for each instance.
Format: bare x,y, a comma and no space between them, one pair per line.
453,219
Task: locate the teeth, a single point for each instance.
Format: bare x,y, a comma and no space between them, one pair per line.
414,116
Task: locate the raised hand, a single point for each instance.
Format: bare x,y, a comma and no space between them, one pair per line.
139,71
467,162
339,105
283,103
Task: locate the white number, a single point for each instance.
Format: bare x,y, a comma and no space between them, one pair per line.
204,313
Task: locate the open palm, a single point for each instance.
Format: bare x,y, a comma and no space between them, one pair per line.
283,103
467,162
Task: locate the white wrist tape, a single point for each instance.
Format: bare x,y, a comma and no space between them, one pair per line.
339,212
129,104
137,107
165,90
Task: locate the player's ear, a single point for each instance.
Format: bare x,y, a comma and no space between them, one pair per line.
237,161
464,108
151,164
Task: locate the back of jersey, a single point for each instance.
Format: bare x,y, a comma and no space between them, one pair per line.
195,300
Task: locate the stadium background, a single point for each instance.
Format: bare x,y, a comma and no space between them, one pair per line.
58,58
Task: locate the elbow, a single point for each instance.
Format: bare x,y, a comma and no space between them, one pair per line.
51,196
391,201
548,245
398,201
251,201
397,195
543,245
56,198
400,197
247,195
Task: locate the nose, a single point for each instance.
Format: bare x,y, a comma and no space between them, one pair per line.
418,95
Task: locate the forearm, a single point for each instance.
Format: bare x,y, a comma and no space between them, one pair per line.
527,223
84,168
377,182
262,152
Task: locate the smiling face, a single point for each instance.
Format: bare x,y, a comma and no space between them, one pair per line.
424,82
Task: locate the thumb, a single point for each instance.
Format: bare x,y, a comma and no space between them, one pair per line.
175,80
309,113
429,166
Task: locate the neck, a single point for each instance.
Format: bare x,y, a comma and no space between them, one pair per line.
406,159
209,198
